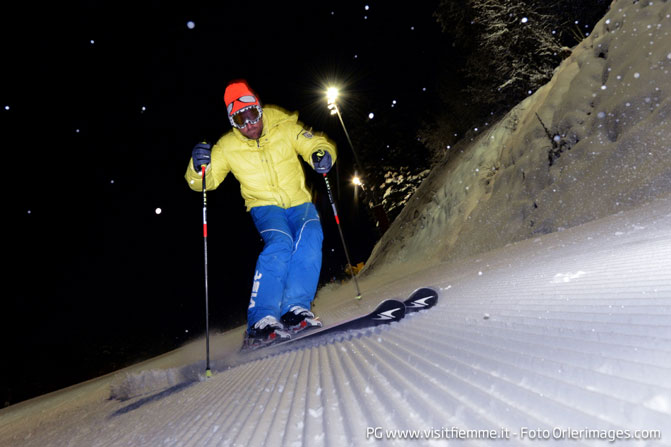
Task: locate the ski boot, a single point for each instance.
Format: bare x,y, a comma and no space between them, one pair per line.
298,319
265,332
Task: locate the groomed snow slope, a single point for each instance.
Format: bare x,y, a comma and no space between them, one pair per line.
570,330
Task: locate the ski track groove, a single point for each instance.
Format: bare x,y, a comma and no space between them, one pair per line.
558,338
294,423
244,410
352,408
393,366
499,362
286,388
649,358
378,384
483,373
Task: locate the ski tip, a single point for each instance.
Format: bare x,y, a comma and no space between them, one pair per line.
208,373
422,298
389,310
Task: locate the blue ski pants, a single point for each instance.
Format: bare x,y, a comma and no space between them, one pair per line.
287,270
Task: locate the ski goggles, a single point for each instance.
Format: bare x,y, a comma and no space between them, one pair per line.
249,115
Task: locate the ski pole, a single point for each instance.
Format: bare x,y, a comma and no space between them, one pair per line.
208,372
342,237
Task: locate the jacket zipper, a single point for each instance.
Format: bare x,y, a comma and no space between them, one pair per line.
269,170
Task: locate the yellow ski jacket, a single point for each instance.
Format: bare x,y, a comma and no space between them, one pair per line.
268,169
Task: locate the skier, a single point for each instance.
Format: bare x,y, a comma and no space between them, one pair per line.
262,152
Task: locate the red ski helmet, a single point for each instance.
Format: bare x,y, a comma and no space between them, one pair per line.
240,98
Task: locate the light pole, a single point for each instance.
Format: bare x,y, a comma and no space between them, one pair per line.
331,97
378,210
356,181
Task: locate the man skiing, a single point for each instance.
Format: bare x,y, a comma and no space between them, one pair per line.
262,152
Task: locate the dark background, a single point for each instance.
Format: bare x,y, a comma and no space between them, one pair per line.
101,105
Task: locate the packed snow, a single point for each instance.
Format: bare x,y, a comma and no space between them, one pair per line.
552,258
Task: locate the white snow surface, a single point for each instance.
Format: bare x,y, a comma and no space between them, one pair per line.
560,329
570,330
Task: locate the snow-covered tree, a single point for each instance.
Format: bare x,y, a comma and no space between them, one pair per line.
510,48
503,50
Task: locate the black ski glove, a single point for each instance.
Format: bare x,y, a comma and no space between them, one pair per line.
201,155
321,161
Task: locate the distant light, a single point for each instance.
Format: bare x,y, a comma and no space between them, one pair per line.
76,130
366,7
356,180
143,109
92,41
371,115
190,24
525,19
112,181
30,212
158,211
412,28
331,95
7,107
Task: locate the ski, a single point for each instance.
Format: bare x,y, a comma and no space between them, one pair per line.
386,312
420,299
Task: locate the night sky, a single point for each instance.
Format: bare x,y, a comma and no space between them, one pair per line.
101,105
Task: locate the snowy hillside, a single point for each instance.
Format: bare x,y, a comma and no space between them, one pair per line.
608,114
539,334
